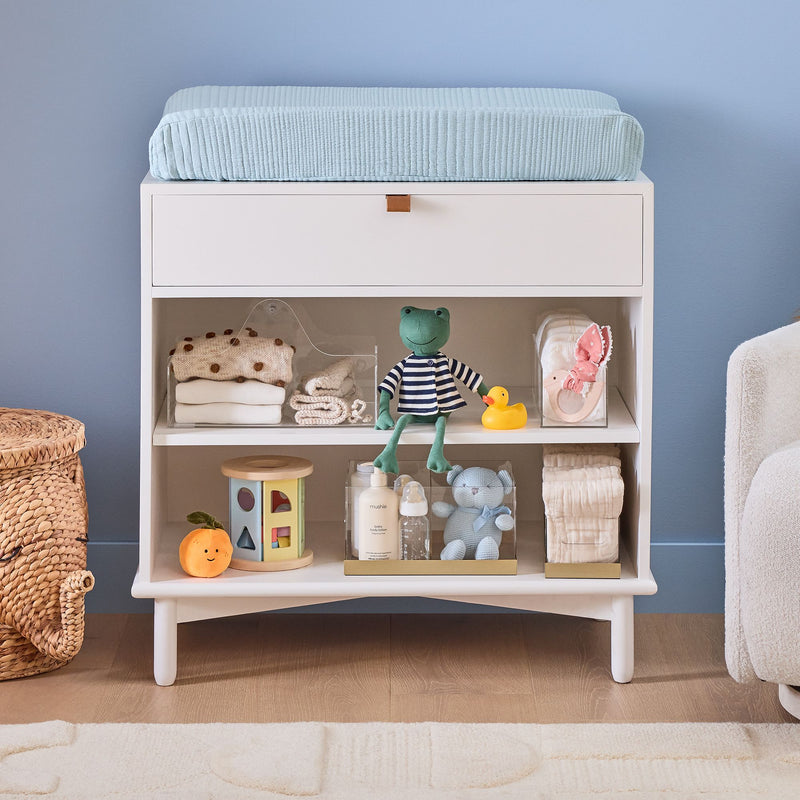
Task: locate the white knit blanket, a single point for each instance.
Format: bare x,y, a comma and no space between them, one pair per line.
231,355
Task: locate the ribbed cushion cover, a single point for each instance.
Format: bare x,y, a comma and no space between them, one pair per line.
307,133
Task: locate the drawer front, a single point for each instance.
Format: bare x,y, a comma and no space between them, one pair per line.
351,240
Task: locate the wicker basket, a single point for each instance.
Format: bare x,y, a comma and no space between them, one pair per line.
43,527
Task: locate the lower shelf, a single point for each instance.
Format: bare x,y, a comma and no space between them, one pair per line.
324,580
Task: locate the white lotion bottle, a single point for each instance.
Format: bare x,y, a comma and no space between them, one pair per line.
378,521
359,481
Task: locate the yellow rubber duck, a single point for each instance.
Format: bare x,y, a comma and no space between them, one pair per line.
500,416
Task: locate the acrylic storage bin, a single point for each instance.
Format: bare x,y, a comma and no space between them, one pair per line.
271,370
447,510
571,353
583,493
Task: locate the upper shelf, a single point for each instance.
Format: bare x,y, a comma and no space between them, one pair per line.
621,429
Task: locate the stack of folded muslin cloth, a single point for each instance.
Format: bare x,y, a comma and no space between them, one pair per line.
582,490
556,336
329,396
234,378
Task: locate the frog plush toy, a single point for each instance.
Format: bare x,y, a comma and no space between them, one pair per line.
426,382
476,522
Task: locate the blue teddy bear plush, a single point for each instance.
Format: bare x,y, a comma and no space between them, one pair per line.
476,523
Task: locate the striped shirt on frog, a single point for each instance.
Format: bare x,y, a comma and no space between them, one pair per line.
426,384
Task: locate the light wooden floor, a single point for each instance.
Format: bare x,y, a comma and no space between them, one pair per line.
353,668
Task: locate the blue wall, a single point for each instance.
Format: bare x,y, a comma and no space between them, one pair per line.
83,85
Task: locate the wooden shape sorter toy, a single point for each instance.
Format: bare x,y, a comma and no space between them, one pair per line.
267,505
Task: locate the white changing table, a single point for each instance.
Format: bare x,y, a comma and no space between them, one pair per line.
497,254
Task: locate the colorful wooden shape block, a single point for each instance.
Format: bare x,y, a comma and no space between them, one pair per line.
267,507
283,519
246,519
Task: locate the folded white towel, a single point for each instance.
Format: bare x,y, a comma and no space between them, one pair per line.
583,472
227,414
335,380
583,493
248,392
327,410
582,540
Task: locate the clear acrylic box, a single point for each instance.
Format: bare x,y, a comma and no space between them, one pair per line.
563,398
437,491
272,370
583,494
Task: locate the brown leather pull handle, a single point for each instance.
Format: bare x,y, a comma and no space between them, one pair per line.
398,202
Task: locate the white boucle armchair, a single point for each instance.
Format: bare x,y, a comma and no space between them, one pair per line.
762,513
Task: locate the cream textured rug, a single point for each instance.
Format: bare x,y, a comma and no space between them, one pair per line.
409,761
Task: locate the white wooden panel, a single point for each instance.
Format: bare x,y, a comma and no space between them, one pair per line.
351,240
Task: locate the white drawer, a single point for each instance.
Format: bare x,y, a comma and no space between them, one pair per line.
351,240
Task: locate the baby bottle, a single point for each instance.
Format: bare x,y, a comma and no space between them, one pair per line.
415,531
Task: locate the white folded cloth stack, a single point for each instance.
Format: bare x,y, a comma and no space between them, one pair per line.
228,403
329,396
234,378
583,490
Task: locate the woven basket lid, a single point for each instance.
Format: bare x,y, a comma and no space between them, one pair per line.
30,437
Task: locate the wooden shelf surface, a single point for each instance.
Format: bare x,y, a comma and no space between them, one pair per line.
325,580
621,429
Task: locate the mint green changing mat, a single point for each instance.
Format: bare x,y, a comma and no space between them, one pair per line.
306,133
